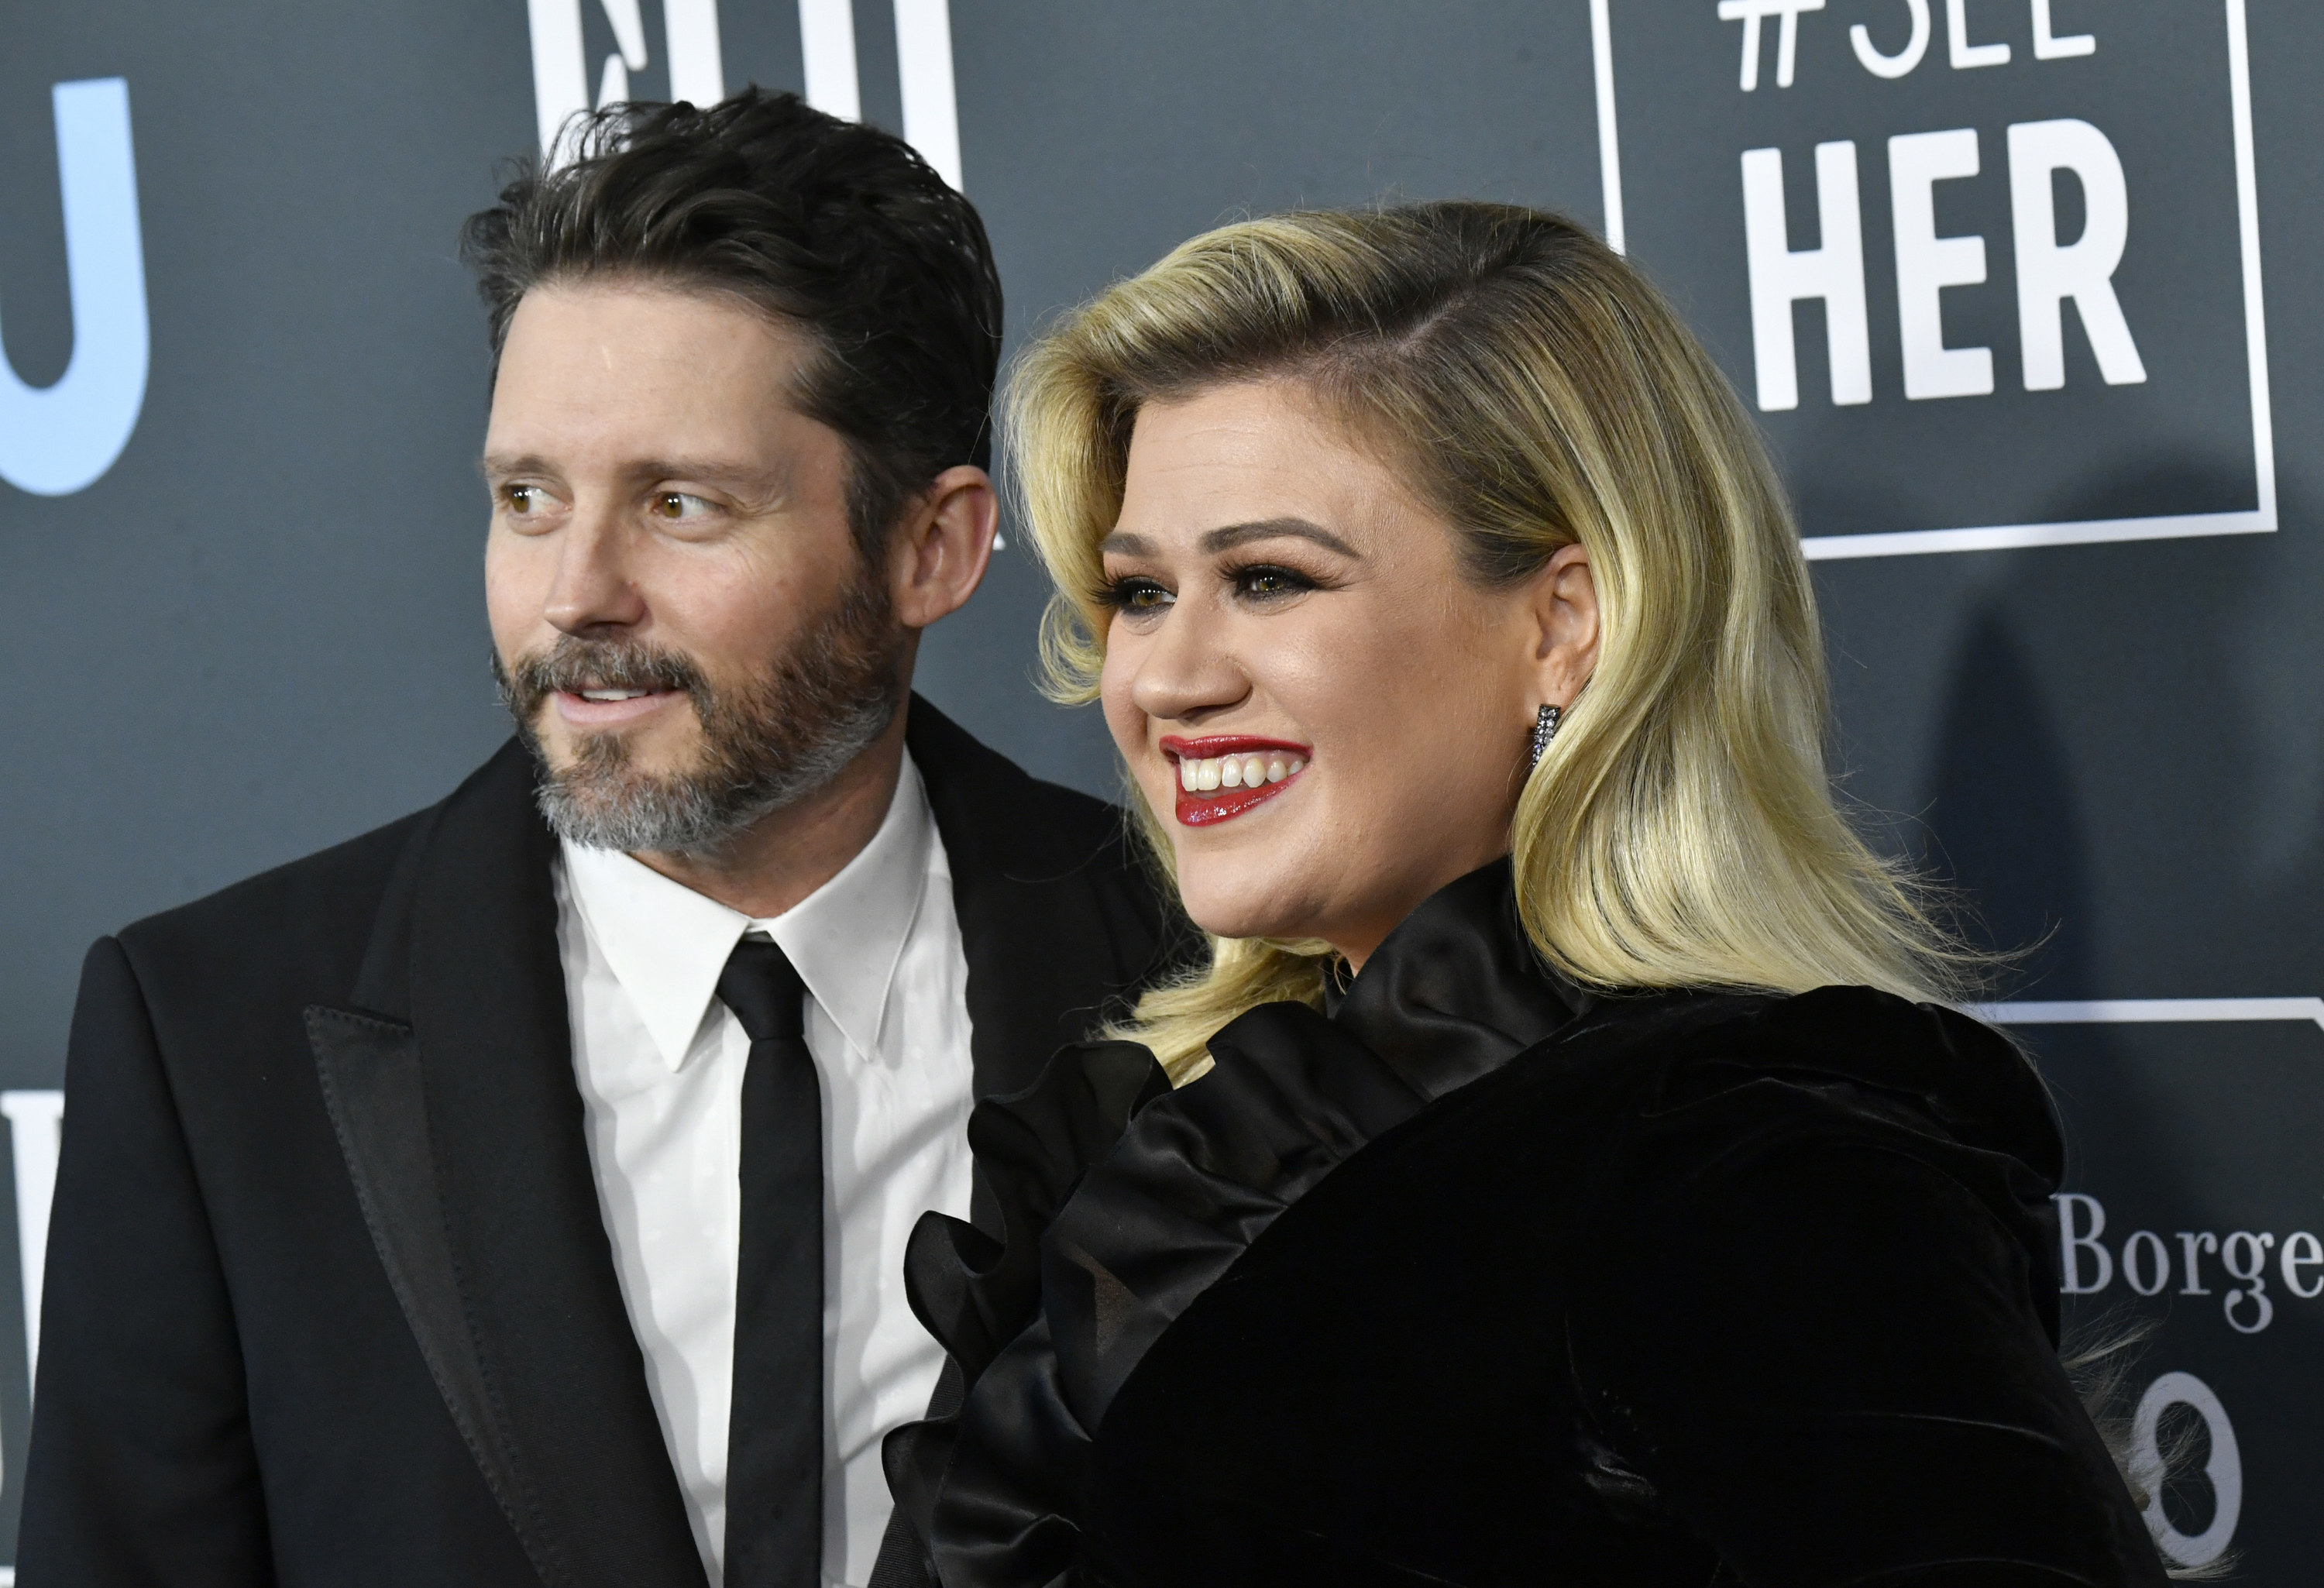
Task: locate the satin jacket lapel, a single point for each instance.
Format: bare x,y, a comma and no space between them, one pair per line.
455,1100
372,1086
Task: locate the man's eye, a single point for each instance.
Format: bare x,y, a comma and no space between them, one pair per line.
523,500
676,505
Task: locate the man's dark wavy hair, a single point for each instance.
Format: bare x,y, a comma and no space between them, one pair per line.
832,227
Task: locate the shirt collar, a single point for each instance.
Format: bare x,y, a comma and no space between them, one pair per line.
667,944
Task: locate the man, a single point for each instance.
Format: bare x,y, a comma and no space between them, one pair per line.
518,1194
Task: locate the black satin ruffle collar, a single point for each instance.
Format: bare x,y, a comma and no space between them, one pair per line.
1123,1201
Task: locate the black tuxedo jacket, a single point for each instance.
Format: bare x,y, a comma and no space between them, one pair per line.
329,1298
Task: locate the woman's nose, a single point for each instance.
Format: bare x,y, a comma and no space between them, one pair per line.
1189,669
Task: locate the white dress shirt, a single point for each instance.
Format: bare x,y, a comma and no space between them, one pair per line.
660,1063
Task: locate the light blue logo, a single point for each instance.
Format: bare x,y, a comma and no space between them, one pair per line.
62,439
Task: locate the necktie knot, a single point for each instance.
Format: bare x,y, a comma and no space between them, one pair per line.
763,989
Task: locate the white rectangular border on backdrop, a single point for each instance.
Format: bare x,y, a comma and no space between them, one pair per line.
2260,519
2147,1011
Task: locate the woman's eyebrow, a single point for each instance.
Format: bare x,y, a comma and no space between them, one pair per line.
1229,536
1125,545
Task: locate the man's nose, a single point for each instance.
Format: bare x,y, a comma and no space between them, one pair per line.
595,588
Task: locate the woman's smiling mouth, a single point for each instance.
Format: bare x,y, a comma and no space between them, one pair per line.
1224,776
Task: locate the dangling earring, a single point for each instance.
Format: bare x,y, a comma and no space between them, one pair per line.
1545,729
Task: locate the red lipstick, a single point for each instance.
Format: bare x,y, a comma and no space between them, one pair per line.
1221,766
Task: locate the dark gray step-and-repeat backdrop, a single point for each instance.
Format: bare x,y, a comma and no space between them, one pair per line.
2018,288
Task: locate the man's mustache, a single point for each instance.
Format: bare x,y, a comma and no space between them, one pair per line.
574,664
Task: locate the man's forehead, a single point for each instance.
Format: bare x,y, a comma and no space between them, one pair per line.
642,436
639,326
635,376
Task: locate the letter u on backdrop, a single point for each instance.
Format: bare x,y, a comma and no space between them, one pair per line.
57,439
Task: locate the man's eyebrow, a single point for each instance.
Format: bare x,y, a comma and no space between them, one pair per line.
706,471
741,476
1229,536
501,465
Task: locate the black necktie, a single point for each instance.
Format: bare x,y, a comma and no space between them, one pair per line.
774,1439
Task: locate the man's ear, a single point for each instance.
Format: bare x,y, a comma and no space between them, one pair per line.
1565,620
944,545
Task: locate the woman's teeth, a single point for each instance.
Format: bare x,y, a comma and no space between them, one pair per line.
1235,771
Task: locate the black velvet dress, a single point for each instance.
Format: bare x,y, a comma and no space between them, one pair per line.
1479,1279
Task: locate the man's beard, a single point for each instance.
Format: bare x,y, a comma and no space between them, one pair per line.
765,744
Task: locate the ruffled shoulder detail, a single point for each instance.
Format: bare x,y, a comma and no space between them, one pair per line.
975,1293
1194,1179
1048,1330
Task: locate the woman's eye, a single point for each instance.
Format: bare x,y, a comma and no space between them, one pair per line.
1138,595
678,505
1265,582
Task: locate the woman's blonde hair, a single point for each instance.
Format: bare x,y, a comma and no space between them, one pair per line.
1536,391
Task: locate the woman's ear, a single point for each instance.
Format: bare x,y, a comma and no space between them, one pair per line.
1565,615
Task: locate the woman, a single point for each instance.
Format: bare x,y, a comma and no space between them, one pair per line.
1571,1175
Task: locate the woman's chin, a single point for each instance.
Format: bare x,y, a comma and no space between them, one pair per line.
1238,913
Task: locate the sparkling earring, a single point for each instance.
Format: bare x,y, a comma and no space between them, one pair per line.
1545,729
